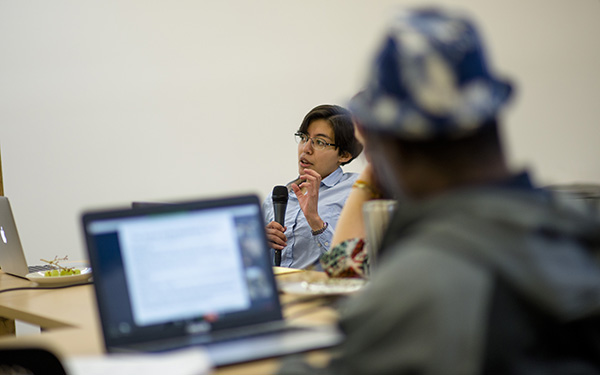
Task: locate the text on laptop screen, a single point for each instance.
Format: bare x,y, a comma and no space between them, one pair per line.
173,265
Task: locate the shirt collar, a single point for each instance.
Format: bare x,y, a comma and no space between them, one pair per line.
518,181
333,178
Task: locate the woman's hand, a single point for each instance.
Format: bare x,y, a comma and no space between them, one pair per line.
308,197
276,235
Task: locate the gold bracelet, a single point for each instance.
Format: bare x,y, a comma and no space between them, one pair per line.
360,184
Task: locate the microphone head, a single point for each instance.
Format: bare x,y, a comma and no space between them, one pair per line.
280,194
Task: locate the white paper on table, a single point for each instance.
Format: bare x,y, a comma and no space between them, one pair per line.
189,361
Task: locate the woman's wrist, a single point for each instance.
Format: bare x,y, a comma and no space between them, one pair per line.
315,223
320,230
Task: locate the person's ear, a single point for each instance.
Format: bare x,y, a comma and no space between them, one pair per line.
344,157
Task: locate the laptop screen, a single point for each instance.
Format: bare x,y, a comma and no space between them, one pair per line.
179,269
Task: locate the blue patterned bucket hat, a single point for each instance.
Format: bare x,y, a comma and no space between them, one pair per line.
430,79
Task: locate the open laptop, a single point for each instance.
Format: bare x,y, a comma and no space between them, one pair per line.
12,257
195,273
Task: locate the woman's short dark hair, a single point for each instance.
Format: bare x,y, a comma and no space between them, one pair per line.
342,124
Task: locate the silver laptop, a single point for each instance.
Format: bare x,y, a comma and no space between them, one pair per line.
196,273
12,257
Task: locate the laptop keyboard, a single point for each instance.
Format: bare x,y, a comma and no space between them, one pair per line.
244,332
43,267
215,337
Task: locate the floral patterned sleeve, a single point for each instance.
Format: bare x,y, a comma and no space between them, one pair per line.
347,259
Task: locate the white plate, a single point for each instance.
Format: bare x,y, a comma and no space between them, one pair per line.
39,278
328,287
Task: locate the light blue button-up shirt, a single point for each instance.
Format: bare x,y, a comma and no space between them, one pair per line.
303,248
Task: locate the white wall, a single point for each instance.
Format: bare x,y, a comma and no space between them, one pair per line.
107,101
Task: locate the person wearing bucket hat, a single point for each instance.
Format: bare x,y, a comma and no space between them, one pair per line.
480,271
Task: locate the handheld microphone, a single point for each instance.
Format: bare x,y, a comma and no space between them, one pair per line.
280,198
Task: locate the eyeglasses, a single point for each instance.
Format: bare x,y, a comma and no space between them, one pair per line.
317,143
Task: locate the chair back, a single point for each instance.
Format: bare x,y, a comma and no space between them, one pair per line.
587,194
34,361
